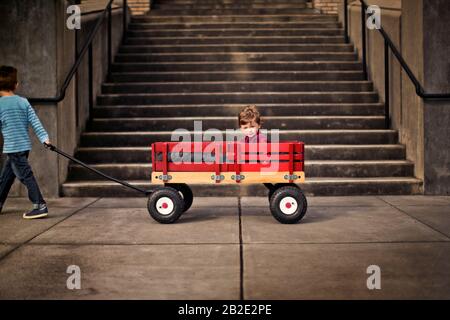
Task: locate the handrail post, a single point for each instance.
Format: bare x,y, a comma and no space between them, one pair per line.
347,40
363,39
77,85
125,20
387,95
91,80
109,38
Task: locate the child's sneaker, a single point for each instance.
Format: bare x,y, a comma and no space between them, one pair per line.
39,211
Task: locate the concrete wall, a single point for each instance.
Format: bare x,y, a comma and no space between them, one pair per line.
44,50
327,6
31,47
436,76
100,55
139,7
419,29
391,21
65,137
411,133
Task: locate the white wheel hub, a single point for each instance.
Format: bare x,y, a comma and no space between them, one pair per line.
288,205
164,206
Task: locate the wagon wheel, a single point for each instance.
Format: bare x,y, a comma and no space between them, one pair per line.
186,194
278,186
288,204
165,205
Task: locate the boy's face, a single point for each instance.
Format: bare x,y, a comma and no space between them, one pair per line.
250,129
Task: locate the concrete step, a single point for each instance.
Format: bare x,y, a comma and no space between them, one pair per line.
239,56
237,11
220,2
157,4
198,76
176,2
249,6
312,187
103,155
195,48
145,138
292,109
236,86
118,170
160,5
354,152
211,67
194,2
238,97
314,24
223,123
236,32
230,18
223,40
341,169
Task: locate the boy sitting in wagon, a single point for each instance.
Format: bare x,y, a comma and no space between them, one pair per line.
250,123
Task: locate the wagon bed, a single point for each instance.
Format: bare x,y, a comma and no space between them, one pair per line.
227,163
279,166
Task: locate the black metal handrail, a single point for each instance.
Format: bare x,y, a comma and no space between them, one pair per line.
388,45
87,47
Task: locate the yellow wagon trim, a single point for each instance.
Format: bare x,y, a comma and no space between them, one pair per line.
226,177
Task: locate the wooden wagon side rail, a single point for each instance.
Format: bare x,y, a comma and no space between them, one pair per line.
227,163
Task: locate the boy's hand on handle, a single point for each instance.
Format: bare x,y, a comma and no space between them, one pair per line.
48,145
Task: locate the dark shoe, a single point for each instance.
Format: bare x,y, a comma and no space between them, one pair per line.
38,212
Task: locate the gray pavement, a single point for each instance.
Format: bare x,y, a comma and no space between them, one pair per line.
228,248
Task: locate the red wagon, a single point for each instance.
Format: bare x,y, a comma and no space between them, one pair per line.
279,166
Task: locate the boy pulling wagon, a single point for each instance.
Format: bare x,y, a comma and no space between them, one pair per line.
16,116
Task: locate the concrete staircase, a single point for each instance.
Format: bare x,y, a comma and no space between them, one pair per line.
203,60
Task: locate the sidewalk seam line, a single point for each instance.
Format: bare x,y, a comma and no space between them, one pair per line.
241,253
416,219
47,229
221,243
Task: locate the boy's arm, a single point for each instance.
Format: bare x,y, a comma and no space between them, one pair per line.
37,125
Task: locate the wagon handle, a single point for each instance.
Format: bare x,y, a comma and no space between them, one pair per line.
125,184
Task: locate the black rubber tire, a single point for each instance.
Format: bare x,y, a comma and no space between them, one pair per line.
186,193
288,191
279,185
174,196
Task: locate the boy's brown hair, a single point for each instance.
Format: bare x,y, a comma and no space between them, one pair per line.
8,78
249,114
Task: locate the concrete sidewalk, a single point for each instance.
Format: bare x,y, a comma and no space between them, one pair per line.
228,248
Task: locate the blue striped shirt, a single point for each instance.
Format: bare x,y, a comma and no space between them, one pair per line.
16,115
